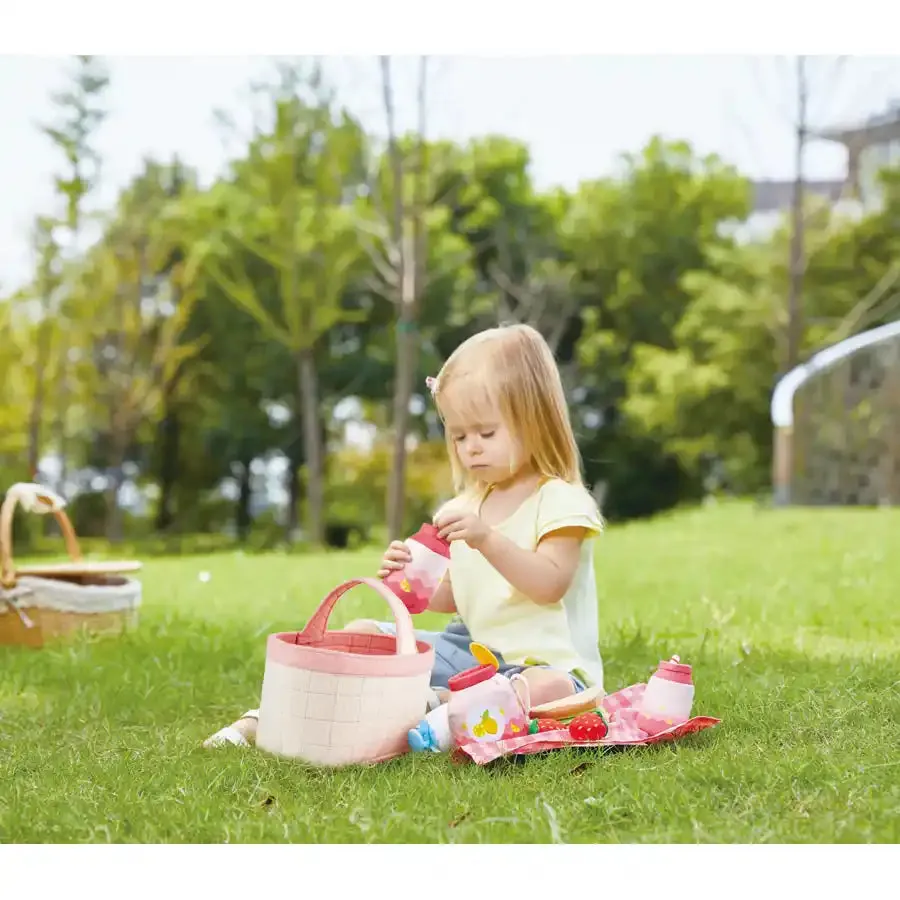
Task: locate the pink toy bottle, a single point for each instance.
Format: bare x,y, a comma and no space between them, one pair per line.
486,706
417,581
668,698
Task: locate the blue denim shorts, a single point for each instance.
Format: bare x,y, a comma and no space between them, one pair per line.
452,654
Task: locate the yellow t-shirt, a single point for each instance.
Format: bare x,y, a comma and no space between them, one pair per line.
563,635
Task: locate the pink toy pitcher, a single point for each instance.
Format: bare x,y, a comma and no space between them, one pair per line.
417,581
486,706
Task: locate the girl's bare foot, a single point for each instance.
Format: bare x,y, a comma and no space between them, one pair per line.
241,733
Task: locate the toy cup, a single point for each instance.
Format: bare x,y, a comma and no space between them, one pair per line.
417,581
668,698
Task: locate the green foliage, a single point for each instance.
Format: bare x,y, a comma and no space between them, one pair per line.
708,397
636,242
80,112
358,482
285,279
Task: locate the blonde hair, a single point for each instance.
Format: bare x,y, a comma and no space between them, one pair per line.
510,369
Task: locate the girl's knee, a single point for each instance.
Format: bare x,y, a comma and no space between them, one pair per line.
363,626
547,685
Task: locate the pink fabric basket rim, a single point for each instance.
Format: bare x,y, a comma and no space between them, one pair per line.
283,648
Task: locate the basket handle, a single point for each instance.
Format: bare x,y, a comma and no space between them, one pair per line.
37,499
406,635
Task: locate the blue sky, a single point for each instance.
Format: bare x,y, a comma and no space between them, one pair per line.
576,113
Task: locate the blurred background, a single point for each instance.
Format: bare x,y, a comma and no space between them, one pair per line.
224,281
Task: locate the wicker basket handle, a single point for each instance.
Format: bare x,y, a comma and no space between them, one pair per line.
406,635
37,499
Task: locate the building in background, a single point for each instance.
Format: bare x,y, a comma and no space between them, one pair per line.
872,145
773,195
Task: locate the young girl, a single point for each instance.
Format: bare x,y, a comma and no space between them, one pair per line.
521,576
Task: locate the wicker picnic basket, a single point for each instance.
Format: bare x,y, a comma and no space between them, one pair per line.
335,698
39,603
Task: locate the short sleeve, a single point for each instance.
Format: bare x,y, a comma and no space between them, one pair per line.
564,505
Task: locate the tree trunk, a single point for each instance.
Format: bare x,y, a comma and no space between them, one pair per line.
243,519
308,390
37,404
170,439
411,280
407,358
52,527
797,260
62,409
292,477
115,530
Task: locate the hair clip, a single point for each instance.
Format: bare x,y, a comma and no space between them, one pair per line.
431,384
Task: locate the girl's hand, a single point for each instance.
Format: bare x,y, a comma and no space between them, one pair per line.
395,557
461,526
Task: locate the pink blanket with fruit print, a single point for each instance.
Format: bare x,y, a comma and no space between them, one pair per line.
621,709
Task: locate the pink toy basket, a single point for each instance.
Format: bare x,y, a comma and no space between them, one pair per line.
336,698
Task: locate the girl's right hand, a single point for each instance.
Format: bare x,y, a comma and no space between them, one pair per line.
395,557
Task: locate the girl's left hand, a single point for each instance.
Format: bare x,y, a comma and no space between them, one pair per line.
459,526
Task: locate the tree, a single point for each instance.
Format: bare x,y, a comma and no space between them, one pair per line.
632,240
407,250
419,263
285,204
512,232
138,304
80,114
706,399
46,292
215,420
17,334
808,96
853,272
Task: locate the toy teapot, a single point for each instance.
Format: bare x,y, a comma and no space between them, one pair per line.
484,706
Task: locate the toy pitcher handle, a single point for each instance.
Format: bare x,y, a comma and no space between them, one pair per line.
406,635
520,686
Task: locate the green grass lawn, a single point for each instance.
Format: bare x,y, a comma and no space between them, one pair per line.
791,620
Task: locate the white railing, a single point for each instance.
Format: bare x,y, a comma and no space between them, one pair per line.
782,405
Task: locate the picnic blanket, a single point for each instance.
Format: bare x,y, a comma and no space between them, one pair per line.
621,709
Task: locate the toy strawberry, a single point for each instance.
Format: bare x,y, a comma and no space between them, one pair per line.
588,727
